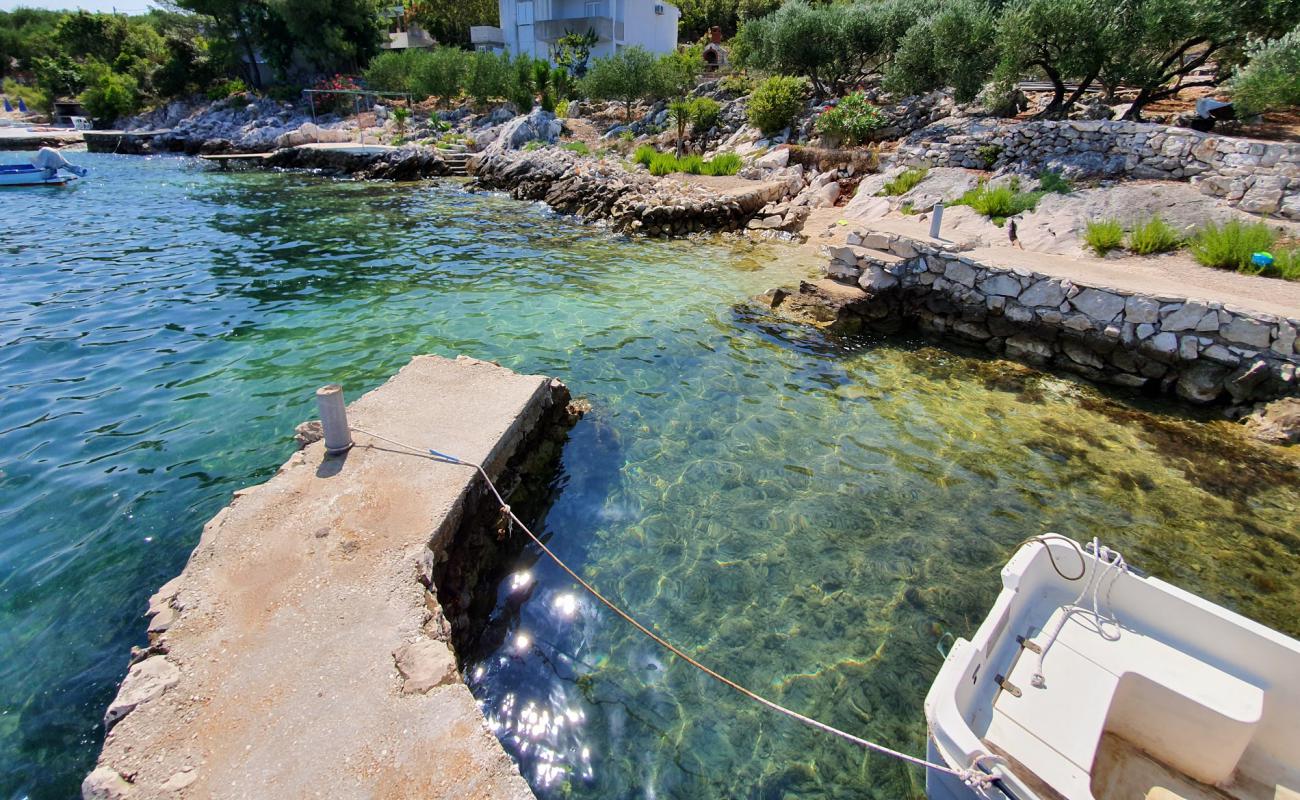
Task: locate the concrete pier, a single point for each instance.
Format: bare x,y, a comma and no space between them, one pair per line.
299,653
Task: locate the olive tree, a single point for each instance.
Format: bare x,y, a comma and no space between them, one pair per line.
947,48
833,46
1062,40
1271,77
1162,46
627,76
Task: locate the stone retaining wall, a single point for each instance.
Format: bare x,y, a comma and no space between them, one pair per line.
405,164
1203,352
634,202
1255,176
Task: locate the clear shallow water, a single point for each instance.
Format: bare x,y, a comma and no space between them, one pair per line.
812,516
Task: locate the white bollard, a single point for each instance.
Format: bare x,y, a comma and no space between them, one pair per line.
936,220
334,419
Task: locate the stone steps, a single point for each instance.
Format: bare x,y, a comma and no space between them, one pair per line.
457,162
849,262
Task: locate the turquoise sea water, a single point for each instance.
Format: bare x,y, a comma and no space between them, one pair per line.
815,517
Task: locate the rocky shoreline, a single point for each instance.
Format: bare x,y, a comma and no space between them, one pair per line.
631,202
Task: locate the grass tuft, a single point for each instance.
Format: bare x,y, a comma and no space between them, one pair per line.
666,164
1231,245
1154,236
1104,235
905,182
1055,182
580,148
999,202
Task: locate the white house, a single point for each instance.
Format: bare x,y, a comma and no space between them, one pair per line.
532,27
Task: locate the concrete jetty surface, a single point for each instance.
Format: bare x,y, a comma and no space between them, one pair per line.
298,654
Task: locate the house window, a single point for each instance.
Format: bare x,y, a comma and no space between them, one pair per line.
594,9
524,14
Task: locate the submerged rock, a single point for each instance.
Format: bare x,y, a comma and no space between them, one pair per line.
1277,422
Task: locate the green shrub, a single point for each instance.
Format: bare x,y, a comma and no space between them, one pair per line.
704,114
1102,236
776,102
1230,246
488,76
1271,79
736,83
390,71
1055,182
109,95
851,121
227,89
562,109
1286,265
439,73
905,182
534,145
723,164
988,154
1154,236
580,148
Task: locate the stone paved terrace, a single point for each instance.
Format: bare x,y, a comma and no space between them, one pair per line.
274,662
1164,276
22,138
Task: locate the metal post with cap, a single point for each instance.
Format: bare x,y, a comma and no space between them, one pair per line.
334,419
936,219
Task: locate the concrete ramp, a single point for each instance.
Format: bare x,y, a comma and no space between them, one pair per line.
298,654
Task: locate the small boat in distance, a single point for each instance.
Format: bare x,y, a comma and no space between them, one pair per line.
1091,681
48,168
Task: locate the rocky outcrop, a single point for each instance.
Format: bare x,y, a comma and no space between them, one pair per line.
1259,177
538,125
634,202
1202,352
404,164
242,123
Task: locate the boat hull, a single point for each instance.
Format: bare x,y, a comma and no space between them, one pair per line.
30,176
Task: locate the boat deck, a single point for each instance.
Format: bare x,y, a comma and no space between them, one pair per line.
1122,714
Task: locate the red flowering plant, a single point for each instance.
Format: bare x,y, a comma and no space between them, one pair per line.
341,104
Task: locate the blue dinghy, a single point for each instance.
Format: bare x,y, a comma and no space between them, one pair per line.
48,170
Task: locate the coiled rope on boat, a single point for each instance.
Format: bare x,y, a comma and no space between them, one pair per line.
974,776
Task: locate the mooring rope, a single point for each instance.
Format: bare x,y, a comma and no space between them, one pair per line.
973,776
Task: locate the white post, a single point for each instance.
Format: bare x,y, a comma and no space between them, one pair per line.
936,219
334,419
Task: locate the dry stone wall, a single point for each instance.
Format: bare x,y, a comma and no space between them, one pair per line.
1202,351
1255,176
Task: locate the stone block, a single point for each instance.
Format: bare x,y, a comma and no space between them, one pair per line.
145,681
877,279
1201,383
1099,305
1046,292
1139,309
960,272
1023,347
1000,284
1244,330
1189,348
1185,318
